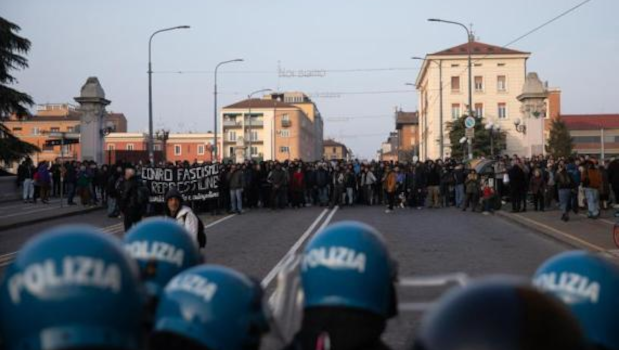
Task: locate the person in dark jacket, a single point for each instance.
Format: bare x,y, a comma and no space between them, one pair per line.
130,204
433,182
537,186
322,184
613,178
70,181
277,179
517,185
235,181
25,176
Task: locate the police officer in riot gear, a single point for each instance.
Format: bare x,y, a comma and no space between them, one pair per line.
210,307
348,281
589,285
72,287
162,249
499,313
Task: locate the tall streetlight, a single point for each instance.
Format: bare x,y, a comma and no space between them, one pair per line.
151,143
215,117
469,37
440,78
249,119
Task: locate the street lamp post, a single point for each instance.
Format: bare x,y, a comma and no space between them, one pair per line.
492,130
468,52
151,152
440,78
215,116
249,119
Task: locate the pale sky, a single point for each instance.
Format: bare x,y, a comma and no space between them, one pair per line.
358,43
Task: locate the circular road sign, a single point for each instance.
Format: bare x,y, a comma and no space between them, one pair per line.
469,122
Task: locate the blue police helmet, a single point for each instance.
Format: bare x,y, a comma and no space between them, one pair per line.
348,265
212,307
71,287
499,313
589,285
162,248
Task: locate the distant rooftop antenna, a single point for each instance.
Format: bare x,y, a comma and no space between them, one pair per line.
472,37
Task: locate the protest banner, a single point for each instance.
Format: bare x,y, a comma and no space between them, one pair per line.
197,183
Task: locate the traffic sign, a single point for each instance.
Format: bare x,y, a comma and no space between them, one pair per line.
469,122
469,133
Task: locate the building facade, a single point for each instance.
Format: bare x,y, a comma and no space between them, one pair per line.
594,134
52,119
334,150
498,75
407,127
278,126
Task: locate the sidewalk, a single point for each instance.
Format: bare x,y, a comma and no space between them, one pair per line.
16,213
580,232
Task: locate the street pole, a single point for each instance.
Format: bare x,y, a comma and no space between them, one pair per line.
61,165
151,144
468,51
215,116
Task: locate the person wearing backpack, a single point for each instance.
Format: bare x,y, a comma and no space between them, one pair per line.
184,216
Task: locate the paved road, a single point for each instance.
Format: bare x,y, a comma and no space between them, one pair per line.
425,242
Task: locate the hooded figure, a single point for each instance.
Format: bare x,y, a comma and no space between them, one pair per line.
175,209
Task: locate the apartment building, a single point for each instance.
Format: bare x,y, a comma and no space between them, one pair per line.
498,76
278,126
407,127
334,150
189,147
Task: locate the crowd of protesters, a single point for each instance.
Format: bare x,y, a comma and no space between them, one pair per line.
538,183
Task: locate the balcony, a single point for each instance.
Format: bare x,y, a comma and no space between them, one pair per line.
286,123
232,124
255,123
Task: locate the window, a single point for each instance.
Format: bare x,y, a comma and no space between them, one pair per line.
285,117
231,151
253,135
232,136
502,112
70,129
501,83
479,84
455,65
178,150
285,133
201,149
455,84
479,110
334,150
17,129
254,150
54,129
586,139
500,64
35,131
284,149
157,147
455,111
111,147
478,64
129,147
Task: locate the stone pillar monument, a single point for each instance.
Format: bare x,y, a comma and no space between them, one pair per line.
239,150
533,109
92,107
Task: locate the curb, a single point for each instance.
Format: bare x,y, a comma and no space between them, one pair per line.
48,218
514,219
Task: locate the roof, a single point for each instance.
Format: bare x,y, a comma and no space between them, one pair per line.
406,118
591,121
71,117
478,48
332,143
259,103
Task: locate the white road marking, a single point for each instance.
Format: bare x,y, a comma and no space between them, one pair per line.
29,212
290,254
